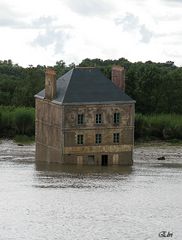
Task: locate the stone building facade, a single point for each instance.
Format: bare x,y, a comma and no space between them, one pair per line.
85,118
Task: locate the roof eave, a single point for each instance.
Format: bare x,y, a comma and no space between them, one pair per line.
38,96
52,101
97,103
87,103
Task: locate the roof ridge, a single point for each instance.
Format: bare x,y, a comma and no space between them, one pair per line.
86,67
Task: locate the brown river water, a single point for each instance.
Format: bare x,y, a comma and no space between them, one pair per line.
50,202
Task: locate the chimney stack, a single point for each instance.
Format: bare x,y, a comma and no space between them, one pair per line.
118,77
50,84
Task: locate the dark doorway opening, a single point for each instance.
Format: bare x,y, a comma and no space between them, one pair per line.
104,160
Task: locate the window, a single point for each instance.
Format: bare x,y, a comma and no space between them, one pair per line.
98,118
90,160
116,118
80,118
80,139
98,138
116,137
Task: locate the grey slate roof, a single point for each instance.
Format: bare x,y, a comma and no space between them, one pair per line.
87,85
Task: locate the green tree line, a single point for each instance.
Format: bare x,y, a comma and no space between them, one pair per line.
18,85
156,87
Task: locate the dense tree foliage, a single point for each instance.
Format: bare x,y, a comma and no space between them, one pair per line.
18,85
156,87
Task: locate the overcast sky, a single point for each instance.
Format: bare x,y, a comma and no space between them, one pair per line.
43,32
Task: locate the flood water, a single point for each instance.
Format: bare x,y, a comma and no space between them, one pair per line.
48,202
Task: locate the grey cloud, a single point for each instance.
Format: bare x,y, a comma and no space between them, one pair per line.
12,23
38,23
90,7
50,37
8,18
14,20
176,34
172,1
173,54
44,21
6,11
130,22
146,34
169,17
53,34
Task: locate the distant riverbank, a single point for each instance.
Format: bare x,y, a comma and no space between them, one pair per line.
19,123
157,143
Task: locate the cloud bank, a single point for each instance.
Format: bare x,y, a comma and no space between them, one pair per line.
43,32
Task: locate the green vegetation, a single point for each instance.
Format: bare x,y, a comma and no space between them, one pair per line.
19,123
161,126
18,85
24,139
16,121
156,87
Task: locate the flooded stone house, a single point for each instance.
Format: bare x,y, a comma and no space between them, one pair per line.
85,118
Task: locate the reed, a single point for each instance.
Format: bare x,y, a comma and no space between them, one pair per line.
158,126
21,121
16,121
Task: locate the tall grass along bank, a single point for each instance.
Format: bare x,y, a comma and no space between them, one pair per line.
16,121
160,126
21,121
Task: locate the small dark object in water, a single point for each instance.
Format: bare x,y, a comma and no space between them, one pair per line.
161,158
19,144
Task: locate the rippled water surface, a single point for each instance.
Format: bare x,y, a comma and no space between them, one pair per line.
47,202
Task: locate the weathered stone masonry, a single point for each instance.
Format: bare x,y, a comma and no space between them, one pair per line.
121,151
57,130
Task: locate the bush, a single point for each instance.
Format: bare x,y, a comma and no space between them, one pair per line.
24,139
21,121
24,121
161,126
140,126
16,121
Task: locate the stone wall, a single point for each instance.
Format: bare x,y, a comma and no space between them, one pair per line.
49,138
118,153
57,130
107,110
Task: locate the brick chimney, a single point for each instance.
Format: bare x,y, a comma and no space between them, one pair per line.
50,84
118,76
